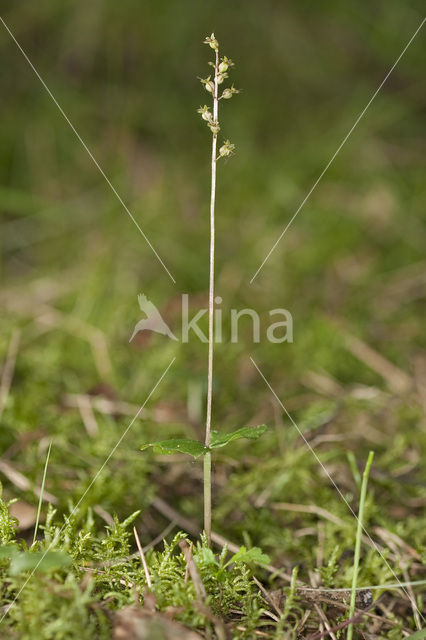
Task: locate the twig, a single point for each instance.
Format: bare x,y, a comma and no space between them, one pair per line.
104,405
193,571
309,508
397,380
322,513
320,549
48,317
326,623
389,537
87,415
102,513
218,624
20,481
142,555
412,599
8,369
346,623
270,599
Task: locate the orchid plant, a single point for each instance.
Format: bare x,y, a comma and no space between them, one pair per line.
213,439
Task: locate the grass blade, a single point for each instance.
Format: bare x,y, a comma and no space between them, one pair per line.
358,539
41,492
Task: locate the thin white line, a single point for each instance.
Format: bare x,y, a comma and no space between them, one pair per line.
92,157
330,478
392,585
88,488
339,148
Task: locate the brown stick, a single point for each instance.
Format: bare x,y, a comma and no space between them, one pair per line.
142,555
323,634
193,571
8,369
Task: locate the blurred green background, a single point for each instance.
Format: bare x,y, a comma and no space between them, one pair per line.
352,264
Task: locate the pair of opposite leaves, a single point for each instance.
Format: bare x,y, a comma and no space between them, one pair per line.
196,449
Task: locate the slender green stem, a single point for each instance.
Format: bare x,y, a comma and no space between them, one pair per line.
358,539
41,492
208,495
207,457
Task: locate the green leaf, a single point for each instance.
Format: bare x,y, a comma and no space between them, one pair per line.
196,449
419,635
205,555
39,561
222,439
193,448
249,555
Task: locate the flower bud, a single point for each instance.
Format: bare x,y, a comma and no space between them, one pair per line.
214,128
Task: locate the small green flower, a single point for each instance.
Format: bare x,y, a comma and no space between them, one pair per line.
205,113
212,42
214,127
208,84
224,65
227,149
229,92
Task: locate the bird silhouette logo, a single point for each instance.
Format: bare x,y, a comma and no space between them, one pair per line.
153,320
